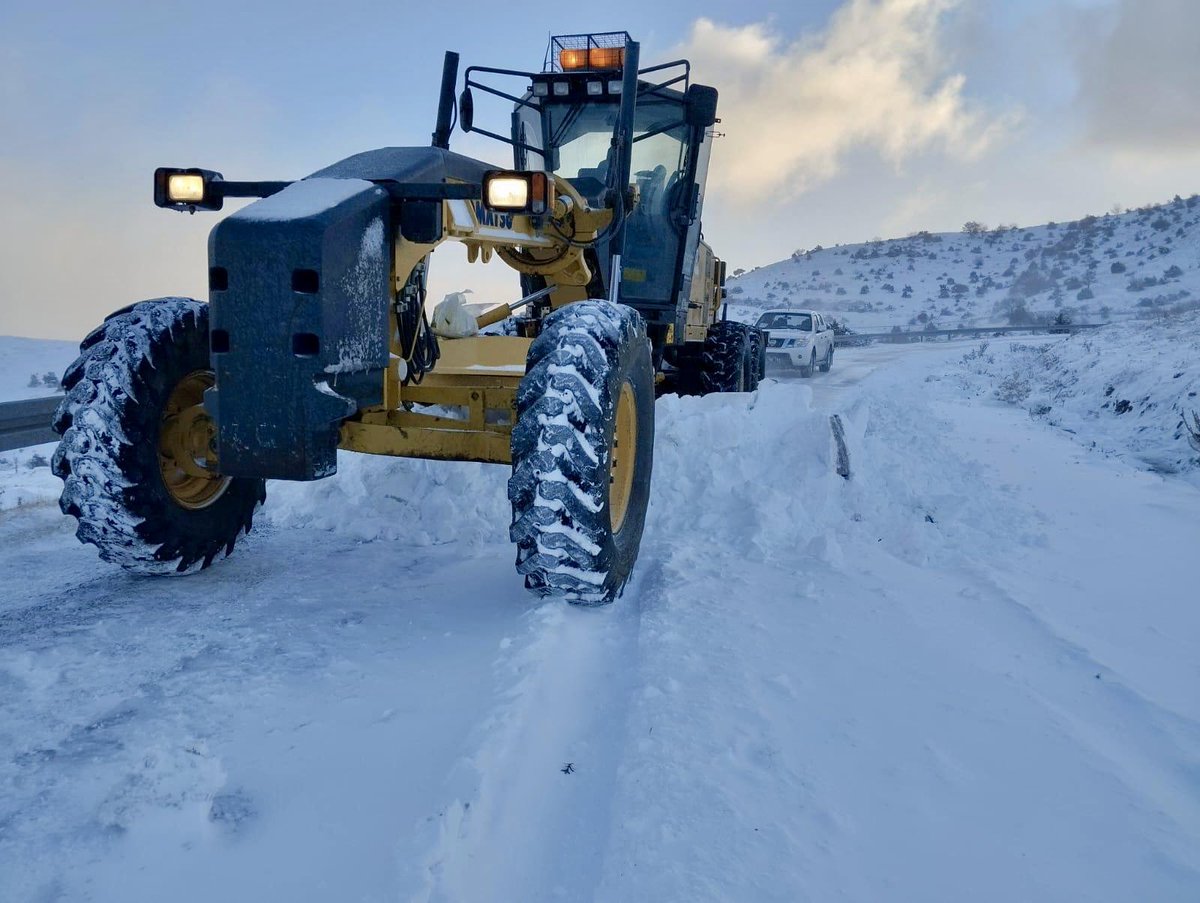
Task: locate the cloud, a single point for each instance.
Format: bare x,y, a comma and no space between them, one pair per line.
1138,69
875,78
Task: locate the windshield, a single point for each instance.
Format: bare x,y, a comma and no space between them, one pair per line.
785,321
583,135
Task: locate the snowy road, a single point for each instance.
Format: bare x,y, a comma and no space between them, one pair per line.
970,672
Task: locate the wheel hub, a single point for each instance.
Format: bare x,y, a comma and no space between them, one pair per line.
187,445
622,458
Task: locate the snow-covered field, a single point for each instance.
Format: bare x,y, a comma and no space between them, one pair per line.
968,672
30,368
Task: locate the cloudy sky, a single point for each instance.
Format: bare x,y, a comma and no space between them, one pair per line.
843,120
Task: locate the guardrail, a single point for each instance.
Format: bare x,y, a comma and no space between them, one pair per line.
27,422
977,332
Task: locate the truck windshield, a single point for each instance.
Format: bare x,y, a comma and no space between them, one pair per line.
785,321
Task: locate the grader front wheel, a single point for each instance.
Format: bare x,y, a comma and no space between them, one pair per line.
582,451
137,458
187,445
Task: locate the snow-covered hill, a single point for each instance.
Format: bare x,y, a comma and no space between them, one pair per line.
1137,264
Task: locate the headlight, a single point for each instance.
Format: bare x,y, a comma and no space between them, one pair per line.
506,191
789,343
187,189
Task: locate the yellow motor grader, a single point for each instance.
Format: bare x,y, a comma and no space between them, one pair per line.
317,335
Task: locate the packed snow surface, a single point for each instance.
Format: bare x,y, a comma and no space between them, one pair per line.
967,672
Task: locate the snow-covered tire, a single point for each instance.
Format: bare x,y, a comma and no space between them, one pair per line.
756,361
726,359
109,458
578,509
807,370
827,364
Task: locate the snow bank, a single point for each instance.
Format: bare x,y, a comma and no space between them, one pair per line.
1124,390
759,474
423,503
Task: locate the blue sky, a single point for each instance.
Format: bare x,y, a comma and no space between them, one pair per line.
844,120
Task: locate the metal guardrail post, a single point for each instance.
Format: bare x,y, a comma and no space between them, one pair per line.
27,422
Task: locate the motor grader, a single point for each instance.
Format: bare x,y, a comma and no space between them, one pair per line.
317,335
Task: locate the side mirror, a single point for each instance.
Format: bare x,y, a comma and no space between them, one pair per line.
466,110
701,104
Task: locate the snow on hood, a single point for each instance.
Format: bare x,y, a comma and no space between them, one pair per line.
308,197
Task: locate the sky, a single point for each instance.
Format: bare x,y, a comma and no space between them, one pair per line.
842,120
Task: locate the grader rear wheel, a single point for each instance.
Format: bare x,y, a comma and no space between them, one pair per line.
582,451
728,362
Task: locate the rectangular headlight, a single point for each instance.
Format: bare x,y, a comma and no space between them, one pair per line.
562,89
506,191
187,189
614,86
595,89
541,89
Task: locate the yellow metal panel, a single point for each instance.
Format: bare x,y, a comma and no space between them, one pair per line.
498,355
489,447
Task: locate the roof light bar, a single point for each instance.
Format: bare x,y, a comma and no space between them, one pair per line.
574,58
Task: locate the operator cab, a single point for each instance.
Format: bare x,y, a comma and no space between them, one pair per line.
568,122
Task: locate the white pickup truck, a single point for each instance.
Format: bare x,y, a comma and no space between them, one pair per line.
798,338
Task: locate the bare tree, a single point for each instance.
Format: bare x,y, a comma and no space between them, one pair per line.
1193,429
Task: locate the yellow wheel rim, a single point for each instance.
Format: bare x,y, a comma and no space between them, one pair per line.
622,459
187,453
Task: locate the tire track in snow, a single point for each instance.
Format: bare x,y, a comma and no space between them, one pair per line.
519,826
